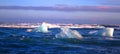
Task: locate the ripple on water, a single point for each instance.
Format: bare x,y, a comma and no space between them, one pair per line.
17,41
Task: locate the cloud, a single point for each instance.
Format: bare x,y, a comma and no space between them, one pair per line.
110,2
65,8
106,2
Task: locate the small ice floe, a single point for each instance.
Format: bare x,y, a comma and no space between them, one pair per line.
42,28
68,33
103,32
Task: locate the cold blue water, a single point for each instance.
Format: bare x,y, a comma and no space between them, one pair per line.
19,41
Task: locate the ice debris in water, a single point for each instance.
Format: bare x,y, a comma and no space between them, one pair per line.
68,33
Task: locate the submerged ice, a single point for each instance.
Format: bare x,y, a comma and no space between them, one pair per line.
68,33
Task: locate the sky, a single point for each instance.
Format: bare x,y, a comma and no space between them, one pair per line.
61,11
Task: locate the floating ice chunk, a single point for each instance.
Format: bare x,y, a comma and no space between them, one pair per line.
103,32
42,28
68,33
29,30
108,32
93,32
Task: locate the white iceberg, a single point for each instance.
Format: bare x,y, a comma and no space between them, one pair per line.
42,28
68,33
103,32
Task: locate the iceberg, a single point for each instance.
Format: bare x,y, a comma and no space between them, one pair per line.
103,32
42,28
108,32
68,33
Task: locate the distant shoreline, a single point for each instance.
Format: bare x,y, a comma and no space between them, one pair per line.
25,25
17,27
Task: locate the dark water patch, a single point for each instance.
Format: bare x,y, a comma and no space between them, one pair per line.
67,48
17,45
14,45
92,41
4,50
2,33
51,44
37,51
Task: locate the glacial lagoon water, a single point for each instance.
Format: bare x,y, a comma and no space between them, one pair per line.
19,41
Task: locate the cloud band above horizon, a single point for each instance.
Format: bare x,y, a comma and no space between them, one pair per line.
66,8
